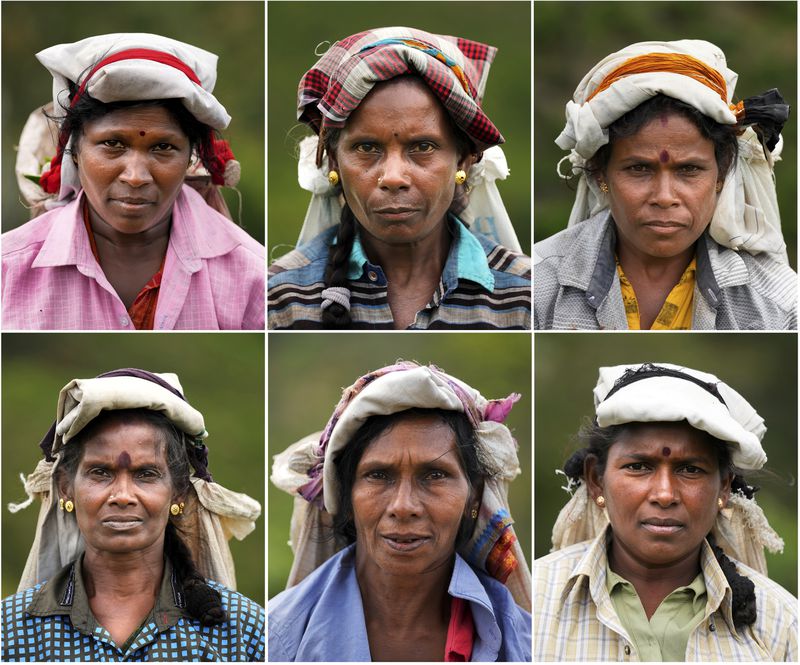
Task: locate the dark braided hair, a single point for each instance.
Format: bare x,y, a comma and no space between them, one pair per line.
336,315
202,602
598,440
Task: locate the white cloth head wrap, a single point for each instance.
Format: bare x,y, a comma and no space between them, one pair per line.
746,216
212,513
741,528
485,214
306,469
134,79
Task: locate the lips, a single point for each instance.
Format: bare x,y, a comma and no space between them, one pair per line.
121,522
395,212
661,526
405,542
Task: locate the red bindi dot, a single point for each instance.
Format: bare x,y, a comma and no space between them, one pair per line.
124,460
664,156
665,451
141,133
664,120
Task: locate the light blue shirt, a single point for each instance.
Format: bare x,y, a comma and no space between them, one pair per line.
322,618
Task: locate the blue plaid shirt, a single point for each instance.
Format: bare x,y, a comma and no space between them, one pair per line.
53,622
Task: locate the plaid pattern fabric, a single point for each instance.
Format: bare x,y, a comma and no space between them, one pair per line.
574,618
296,282
213,275
576,285
53,622
334,87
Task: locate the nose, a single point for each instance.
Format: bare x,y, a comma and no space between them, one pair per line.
664,194
136,171
662,490
394,173
404,502
122,493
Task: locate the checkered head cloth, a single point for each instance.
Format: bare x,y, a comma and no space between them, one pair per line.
454,69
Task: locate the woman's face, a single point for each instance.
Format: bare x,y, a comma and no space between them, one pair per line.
409,497
661,485
122,488
131,164
662,187
397,158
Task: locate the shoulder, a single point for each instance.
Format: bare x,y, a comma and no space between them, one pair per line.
505,263
773,280
574,239
769,593
246,619
30,236
514,621
303,261
21,630
561,562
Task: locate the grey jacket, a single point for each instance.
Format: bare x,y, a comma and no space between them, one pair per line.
576,285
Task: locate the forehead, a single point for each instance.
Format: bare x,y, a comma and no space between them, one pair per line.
401,103
133,441
417,438
136,118
672,131
680,438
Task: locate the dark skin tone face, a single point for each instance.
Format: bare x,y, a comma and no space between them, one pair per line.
661,485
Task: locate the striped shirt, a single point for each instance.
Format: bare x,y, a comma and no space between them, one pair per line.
574,618
52,621
483,286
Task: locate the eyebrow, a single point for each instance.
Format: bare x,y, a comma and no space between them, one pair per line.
645,457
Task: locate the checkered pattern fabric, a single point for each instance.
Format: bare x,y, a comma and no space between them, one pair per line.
574,618
70,633
334,87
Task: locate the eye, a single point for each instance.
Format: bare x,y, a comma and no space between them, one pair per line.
366,148
149,474
693,470
98,472
164,147
690,169
425,147
435,474
377,474
638,168
635,466
112,143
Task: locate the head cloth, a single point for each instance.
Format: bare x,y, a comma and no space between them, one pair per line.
454,69
306,468
121,67
212,513
662,392
695,72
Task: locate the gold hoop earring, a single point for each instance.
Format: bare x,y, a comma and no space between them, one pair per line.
720,504
603,187
333,178
461,177
719,187
176,508
600,501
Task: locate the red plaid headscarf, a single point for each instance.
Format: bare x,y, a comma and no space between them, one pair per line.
454,69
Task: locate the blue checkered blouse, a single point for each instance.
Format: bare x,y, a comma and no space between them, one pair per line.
53,622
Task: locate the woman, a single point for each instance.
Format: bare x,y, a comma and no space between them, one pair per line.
641,567
409,476
386,242
130,560
126,242
675,223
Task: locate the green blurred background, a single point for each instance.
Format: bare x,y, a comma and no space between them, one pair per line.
762,367
760,44
234,31
295,29
222,376
308,371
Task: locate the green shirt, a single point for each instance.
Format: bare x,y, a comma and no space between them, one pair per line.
665,635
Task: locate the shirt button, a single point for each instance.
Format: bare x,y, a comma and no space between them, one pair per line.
124,321
373,276
627,650
712,627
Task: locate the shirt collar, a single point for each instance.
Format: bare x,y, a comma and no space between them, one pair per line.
465,260
66,594
591,570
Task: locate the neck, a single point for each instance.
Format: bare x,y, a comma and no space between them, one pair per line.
652,582
405,264
150,242
652,269
123,575
404,601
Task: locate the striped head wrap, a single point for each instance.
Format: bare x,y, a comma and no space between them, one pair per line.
307,469
454,69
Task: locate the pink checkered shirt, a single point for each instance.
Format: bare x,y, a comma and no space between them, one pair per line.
213,275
